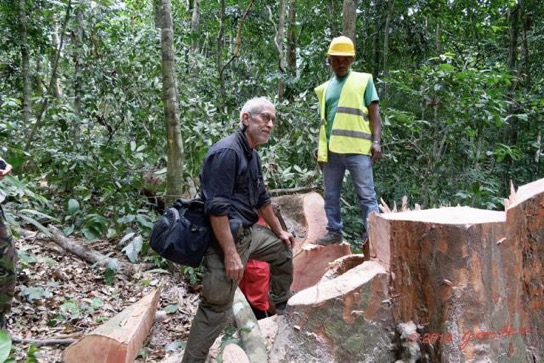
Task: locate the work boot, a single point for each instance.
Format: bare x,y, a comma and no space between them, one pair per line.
280,308
329,239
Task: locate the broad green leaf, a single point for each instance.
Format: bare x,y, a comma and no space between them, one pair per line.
73,206
5,345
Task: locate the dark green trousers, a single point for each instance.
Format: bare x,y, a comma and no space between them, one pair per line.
8,260
259,243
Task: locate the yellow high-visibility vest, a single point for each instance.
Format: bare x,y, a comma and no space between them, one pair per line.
350,132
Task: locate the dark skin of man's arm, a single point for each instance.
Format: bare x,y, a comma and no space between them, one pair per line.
376,129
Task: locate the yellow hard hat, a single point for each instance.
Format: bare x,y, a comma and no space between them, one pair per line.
342,46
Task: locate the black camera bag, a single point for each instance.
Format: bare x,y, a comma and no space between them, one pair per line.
183,233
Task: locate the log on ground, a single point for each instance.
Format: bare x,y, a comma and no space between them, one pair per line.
120,338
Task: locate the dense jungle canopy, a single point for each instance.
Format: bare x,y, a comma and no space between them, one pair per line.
83,116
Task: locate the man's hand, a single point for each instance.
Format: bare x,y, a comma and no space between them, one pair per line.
376,152
287,238
233,266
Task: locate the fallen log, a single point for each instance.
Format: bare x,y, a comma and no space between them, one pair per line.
248,327
120,338
95,257
43,342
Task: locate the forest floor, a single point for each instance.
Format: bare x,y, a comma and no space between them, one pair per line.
60,296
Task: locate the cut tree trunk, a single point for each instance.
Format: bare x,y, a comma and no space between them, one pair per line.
312,261
466,285
525,218
119,339
305,215
347,319
456,273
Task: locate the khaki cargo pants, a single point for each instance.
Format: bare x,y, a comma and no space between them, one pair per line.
258,243
8,260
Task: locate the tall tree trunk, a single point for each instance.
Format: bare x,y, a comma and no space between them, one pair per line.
391,4
25,60
55,66
349,16
291,56
220,46
195,24
77,72
55,83
333,17
279,47
174,175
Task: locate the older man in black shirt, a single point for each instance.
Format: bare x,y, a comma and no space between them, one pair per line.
234,193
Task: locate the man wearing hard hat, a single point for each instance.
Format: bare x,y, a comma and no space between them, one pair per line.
349,136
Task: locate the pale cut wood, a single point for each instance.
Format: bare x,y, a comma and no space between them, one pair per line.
306,215
120,338
235,354
311,263
346,319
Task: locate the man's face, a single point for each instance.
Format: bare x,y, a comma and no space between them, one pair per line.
259,125
340,64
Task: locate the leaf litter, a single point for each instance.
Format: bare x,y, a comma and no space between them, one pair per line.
60,296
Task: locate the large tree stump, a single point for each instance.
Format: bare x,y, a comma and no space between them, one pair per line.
456,275
525,218
120,338
346,319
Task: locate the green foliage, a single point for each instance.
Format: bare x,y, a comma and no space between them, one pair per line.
34,293
5,345
192,275
462,106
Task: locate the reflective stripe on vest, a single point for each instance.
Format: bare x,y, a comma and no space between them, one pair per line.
351,132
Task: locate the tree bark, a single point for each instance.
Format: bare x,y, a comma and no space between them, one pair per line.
291,56
175,161
25,64
45,102
278,40
195,25
220,47
390,7
78,72
349,18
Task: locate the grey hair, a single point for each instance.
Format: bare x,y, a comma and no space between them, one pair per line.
254,105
